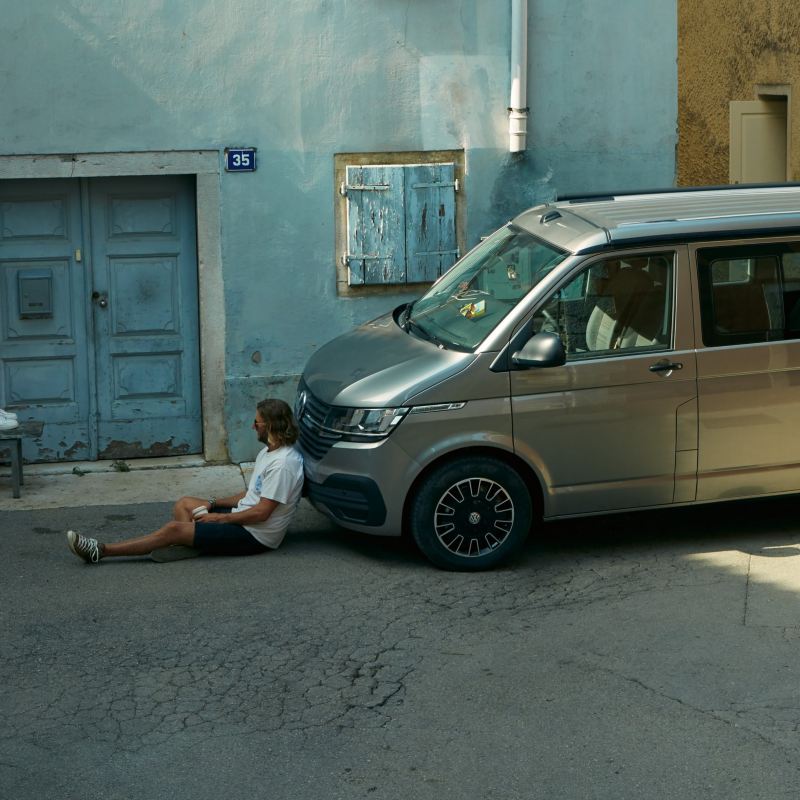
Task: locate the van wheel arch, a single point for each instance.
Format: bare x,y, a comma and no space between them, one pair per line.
526,472
503,470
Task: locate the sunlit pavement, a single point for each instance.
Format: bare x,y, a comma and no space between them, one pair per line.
109,483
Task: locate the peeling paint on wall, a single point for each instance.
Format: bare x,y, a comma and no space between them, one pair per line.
118,449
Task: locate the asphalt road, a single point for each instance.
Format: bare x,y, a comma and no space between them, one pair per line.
638,656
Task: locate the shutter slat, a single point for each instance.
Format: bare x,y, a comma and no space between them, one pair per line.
375,225
430,215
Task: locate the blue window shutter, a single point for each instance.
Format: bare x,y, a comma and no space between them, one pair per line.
430,220
376,243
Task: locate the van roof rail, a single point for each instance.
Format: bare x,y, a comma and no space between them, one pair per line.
609,196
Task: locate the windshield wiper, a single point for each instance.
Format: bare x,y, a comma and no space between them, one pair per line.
415,327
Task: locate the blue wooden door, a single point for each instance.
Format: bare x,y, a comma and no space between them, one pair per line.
45,374
144,314
98,316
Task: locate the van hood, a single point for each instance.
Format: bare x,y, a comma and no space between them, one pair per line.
378,365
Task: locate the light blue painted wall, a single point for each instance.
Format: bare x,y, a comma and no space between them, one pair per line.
304,79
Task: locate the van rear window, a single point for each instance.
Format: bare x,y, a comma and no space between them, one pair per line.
749,293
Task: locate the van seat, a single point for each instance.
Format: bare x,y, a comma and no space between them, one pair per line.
740,308
629,313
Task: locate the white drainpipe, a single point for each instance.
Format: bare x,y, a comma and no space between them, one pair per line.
518,105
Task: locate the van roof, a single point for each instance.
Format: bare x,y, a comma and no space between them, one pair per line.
585,224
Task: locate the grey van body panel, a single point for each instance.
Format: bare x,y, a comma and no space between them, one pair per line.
378,364
562,227
387,464
602,432
429,436
475,382
749,417
433,434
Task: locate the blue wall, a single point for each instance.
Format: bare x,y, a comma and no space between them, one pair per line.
305,79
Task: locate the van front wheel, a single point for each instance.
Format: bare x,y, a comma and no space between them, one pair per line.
471,514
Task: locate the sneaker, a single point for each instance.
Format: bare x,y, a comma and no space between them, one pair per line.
84,547
175,552
10,414
7,421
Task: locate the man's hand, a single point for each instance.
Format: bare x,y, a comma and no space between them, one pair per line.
214,518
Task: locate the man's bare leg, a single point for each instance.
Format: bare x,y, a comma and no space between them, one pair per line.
182,510
174,532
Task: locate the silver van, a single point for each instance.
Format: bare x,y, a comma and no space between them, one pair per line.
594,355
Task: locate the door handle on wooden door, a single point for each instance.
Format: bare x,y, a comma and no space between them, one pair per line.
100,299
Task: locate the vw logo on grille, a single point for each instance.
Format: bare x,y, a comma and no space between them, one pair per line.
300,405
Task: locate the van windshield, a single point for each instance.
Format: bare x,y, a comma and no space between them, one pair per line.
469,300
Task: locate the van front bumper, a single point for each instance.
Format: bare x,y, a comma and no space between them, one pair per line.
351,499
361,485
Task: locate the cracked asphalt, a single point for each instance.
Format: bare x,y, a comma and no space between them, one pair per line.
650,655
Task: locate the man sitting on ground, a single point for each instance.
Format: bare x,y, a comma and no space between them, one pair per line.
244,524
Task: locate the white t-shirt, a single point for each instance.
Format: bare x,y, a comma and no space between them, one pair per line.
277,475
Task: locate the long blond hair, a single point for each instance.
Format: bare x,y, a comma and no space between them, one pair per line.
279,421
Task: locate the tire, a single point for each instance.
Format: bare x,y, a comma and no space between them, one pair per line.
471,514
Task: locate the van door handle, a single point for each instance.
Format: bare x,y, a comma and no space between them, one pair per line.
665,366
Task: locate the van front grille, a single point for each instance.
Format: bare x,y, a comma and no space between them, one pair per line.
315,440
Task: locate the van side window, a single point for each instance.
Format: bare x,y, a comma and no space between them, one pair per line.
749,293
617,305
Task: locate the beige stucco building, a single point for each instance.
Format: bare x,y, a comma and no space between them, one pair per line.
738,91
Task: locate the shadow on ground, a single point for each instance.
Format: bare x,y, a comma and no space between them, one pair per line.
767,527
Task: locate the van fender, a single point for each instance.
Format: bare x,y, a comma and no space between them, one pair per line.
491,443
534,461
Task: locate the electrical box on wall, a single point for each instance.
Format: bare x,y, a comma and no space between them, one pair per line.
35,294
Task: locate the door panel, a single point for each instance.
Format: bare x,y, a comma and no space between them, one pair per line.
758,139
748,368
749,416
145,317
44,369
605,431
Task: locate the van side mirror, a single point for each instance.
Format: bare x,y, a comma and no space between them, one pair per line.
545,349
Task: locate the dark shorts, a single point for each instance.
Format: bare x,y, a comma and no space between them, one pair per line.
225,538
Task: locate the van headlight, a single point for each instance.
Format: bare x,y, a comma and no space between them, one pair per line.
364,423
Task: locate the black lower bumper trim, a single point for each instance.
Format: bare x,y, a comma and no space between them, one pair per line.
350,498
